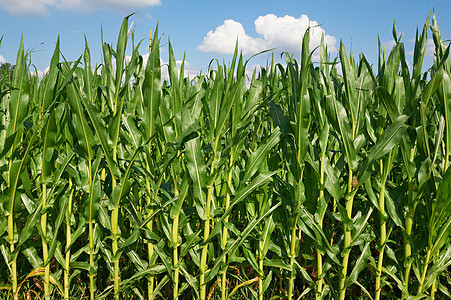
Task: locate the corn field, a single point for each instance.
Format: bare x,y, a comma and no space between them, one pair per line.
319,179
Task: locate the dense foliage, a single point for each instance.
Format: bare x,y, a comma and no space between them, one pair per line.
322,179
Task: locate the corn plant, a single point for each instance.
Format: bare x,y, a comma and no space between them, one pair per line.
326,179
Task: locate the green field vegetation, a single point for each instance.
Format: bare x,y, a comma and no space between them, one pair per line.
318,179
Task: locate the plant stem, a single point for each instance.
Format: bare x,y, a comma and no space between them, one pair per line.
114,224
292,257
14,258
91,260
151,279
175,292
409,225
44,244
150,250
175,229
260,266
383,237
433,288
347,238
225,232
203,259
114,229
68,243
423,274
319,257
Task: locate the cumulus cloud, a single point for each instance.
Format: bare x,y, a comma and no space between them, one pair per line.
284,33
26,6
42,6
223,39
2,60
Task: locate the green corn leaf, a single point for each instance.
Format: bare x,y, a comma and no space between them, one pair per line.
389,103
439,229
8,144
81,127
350,79
236,93
216,96
308,223
48,136
420,50
393,212
120,53
94,196
268,229
246,190
441,264
445,97
178,203
277,263
278,117
260,154
192,281
105,141
20,95
49,84
31,222
339,118
389,139
359,265
76,234
151,90
164,258
12,192
79,265
344,217
197,170
331,182
432,86
129,241
250,257
33,257
136,137
59,220
242,238
391,69
176,97
300,99
360,223
59,254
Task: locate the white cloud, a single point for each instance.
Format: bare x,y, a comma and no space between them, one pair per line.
26,6
2,60
42,6
223,39
284,33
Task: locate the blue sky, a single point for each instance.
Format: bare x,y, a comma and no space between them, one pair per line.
208,29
